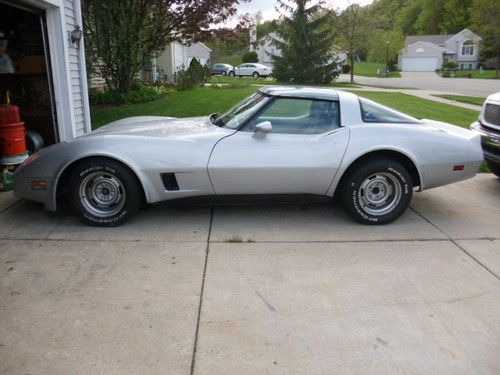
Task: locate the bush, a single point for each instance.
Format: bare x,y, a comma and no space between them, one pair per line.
139,94
346,69
195,75
449,65
250,57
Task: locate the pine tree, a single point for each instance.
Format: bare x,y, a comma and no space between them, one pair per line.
306,44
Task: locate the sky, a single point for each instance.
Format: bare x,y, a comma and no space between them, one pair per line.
269,13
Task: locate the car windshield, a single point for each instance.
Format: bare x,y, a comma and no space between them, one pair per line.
242,111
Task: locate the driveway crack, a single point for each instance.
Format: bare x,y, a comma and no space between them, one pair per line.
202,289
456,244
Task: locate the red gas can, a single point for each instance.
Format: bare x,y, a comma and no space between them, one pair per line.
12,131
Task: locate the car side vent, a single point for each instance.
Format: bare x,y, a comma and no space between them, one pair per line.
169,181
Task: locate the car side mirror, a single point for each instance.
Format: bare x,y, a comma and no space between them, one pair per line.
214,116
262,128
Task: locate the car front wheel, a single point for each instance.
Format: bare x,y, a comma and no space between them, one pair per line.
103,192
378,191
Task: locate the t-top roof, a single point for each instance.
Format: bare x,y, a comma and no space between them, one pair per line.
300,92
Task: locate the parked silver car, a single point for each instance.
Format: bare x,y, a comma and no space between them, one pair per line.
222,69
488,126
279,141
251,69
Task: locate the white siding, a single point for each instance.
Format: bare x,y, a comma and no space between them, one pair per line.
75,70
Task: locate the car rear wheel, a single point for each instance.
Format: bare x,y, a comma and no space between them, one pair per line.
231,73
377,192
224,73
255,75
103,192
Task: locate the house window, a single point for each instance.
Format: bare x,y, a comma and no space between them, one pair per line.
468,48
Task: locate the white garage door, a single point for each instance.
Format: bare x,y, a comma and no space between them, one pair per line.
419,64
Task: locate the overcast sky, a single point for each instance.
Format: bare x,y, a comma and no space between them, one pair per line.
269,13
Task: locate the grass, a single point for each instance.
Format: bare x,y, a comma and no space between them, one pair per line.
237,239
476,100
225,80
369,69
197,102
475,73
423,108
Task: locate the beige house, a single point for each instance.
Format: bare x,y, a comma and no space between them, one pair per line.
177,57
426,53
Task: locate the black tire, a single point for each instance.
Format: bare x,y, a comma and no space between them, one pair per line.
377,191
494,167
103,192
224,73
231,73
255,75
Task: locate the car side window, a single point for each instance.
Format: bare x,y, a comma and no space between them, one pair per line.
299,116
376,113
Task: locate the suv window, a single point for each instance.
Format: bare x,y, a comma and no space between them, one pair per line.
374,112
299,116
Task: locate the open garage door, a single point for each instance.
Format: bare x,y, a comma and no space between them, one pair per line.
419,64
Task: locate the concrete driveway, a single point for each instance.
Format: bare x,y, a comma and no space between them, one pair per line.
431,81
307,292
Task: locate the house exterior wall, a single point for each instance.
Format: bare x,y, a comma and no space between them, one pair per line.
68,68
164,63
200,52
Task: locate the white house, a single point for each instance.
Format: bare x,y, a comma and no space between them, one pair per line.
265,49
426,53
178,56
47,79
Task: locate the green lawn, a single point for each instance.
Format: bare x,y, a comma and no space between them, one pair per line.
225,80
475,73
463,99
196,102
369,69
423,108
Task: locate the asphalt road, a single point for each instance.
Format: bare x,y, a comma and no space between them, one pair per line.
431,81
308,291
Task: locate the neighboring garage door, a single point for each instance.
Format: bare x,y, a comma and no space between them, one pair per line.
419,64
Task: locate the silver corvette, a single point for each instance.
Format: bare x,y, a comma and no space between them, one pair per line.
280,140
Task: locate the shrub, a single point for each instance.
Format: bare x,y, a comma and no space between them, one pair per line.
449,65
140,93
195,75
250,57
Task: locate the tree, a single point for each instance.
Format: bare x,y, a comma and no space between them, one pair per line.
120,35
485,15
349,26
305,43
250,57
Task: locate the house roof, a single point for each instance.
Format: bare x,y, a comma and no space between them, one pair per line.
435,39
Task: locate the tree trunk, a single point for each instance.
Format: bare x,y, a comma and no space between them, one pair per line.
352,67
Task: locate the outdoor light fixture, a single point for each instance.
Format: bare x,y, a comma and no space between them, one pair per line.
76,35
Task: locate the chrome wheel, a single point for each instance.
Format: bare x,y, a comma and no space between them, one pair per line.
102,194
379,194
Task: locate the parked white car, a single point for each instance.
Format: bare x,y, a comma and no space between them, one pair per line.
251,69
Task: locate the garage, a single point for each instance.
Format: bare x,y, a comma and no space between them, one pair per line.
42,72
419,64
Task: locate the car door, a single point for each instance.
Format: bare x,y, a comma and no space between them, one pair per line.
300,155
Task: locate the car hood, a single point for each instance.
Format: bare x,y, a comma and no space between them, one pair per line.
156,126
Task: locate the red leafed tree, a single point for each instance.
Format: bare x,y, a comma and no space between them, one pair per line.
120,35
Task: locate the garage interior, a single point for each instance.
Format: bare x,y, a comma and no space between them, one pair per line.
25,69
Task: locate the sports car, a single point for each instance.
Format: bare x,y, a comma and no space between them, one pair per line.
294,141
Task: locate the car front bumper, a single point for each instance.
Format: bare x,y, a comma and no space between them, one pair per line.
490,142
